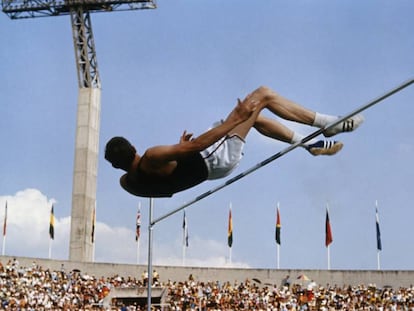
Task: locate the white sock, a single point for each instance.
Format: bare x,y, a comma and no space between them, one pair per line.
298,137
322,120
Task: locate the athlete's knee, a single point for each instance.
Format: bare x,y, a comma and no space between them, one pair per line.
264,93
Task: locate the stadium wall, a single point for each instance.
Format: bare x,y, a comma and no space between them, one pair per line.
380,278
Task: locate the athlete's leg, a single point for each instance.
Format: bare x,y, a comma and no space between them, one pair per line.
283,107
290,110
273,129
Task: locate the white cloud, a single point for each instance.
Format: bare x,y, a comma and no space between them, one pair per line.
28,214
28,235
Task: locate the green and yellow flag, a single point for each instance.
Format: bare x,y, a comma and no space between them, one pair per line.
230,230
52,224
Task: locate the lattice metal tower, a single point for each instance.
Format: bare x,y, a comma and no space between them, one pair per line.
89,103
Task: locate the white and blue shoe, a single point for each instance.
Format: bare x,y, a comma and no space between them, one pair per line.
324,147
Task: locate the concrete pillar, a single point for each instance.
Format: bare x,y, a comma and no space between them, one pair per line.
85,174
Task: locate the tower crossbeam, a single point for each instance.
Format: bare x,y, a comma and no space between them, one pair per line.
18,9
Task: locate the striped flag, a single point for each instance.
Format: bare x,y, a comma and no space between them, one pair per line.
185,230
138,225
379,245
52,224
328,232
230,230
278,227
5,221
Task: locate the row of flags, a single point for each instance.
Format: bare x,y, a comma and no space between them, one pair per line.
328,230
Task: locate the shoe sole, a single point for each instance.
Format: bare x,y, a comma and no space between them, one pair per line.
327,151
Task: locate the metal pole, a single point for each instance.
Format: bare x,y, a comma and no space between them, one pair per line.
286,150
149,282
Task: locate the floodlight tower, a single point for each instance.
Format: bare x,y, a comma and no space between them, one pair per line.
89,103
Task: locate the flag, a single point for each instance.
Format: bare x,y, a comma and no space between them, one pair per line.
52,224
379,246
230,231
328,232
93,225
185,230
5,221
138,225
278,227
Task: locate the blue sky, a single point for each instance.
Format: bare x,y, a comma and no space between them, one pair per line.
182,66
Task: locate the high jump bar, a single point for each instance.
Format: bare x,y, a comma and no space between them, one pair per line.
284,151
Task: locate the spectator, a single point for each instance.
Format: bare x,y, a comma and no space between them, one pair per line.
286,281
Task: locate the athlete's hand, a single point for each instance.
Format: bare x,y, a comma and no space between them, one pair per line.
186,137
244,109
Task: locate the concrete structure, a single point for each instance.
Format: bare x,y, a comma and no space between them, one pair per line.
266,276
85,174
137,295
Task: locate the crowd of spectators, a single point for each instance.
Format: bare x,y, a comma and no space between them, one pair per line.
38,288
252,295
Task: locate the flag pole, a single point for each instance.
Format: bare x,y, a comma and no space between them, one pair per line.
230,232
328,238
50,248
93,233
138,251
4,246
4,230
136,233
278,255
277,244
379,247
378,260
150,240
329,257
183,259
184,238
51,230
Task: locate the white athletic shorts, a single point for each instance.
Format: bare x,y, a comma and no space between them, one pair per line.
222,157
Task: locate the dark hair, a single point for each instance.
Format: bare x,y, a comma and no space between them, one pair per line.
120,152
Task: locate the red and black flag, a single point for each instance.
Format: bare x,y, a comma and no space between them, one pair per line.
278,227
328,232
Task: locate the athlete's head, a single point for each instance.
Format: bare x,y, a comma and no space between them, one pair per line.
120,153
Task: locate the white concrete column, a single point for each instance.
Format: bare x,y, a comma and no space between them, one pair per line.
85,174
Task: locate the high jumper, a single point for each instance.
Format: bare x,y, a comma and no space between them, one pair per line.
162,171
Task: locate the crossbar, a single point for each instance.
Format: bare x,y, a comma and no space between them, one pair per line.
284,151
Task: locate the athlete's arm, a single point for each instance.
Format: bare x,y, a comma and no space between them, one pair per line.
160,155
